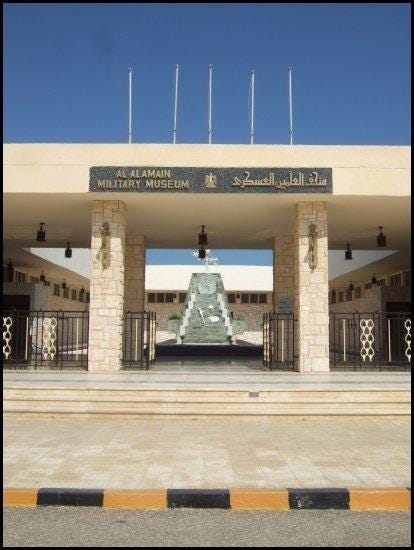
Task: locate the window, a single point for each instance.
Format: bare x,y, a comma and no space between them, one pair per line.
381,282
333,297
56,290
254,298
244,298
341,296
181,297
160,297
348,295
66,292
395,280
46,283
34,279
231,298
73,294
19,277
368,286
151,297
88,297
262,298
358,292
407,278
169,297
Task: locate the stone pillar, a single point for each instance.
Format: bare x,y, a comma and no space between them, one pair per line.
107,288
283,274
134,296
135,273
311,289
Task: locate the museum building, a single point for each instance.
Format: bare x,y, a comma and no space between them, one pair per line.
119,200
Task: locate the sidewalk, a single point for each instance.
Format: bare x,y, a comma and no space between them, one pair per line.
230,453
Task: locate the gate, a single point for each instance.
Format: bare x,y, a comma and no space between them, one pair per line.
138,349
370,340
278,341
49,339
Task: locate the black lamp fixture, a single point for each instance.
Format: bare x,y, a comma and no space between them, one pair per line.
238,295
10,271
348,252
81,293
381,240
42,277
351,287
41,234
202,237
68,251
373,279
64,285
201,253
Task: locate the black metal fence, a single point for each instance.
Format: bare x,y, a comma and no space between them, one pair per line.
138,350
48,339
370,340
279,340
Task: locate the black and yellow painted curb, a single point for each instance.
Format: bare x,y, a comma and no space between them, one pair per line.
354,499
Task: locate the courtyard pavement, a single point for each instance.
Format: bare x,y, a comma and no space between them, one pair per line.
230,453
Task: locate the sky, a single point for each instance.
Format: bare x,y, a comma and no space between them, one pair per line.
66,75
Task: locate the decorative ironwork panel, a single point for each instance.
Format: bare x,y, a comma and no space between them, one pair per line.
7,336
49,338
407,326
367,339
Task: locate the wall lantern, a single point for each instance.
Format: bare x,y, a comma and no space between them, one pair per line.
10,272
351,287
381,240
238,295
42,278
64,285
68,251
374,280
81,293
41,234
202,237
348,252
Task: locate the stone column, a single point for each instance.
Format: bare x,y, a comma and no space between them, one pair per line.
134,296
107,288
135,273
283,274
311,289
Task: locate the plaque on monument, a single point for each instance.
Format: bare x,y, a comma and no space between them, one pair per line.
285,305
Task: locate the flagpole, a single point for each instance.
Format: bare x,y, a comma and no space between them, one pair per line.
290,107
130,107
252,110
210,79
175,104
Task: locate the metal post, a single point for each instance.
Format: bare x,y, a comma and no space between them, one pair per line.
27,336
252,110
130,107
389,340
175,104
290,107
136,339
77,338
343,329
210,80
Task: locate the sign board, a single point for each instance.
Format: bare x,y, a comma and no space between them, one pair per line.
285,305
145,179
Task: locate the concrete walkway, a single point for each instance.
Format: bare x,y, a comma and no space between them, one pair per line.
229,453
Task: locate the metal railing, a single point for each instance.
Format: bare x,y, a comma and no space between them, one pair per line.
48,339
370,340
278,340
138,349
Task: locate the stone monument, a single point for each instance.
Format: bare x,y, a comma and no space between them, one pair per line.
206,318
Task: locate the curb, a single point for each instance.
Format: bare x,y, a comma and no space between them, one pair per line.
354,499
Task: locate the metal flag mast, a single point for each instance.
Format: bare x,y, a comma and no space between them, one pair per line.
290,107
175,104
210,82
130,107
251,114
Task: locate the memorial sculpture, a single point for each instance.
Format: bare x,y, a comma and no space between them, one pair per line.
313,243
104,250
206,319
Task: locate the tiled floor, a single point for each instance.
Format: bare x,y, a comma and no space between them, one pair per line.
165,453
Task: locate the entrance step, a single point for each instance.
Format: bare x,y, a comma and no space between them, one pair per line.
203,397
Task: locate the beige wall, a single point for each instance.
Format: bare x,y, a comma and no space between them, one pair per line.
41,297
375,299
64,168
